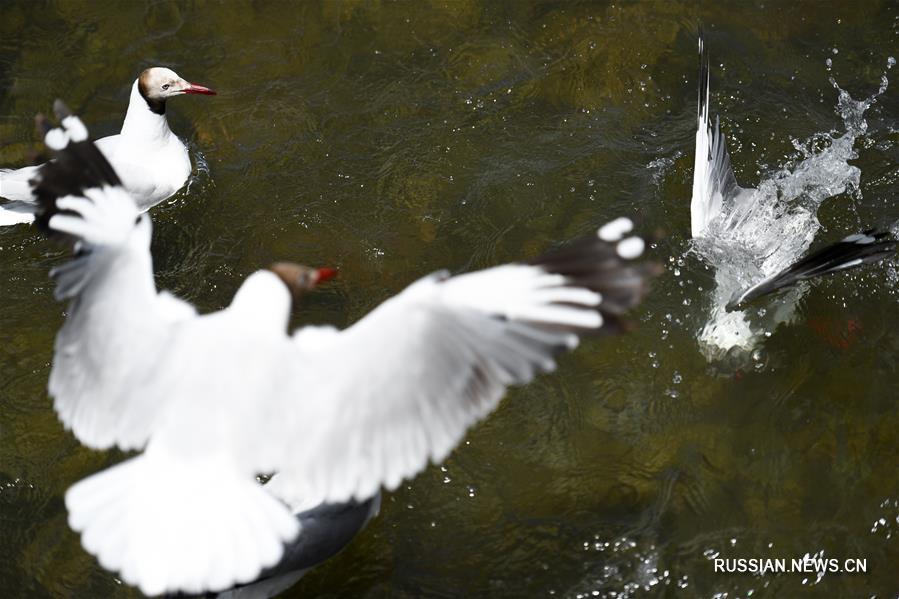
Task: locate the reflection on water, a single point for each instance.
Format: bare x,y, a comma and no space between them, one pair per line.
395,138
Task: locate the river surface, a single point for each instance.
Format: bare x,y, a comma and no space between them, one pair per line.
391,139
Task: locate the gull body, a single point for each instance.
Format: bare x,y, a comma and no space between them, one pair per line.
151,161
214,400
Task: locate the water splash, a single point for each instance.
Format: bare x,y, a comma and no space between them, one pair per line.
762,231
660,167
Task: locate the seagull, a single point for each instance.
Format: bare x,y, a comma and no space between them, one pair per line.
151,161
213,400
754,238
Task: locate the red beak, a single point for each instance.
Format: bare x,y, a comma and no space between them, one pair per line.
193,88
326,274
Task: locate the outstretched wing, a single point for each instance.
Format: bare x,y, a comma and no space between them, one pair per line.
849,252
713,179
337,415
116,321
373,404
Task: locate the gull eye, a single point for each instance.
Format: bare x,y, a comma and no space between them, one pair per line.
165,87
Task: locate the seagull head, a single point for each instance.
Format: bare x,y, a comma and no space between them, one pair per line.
158,84
300,279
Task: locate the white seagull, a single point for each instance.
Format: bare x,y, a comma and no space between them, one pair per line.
151,161
754,237
214,400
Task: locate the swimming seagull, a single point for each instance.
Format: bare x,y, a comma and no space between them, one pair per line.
151,161
213,400
754,237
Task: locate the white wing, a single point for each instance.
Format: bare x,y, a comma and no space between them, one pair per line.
117,324
372,405
713,179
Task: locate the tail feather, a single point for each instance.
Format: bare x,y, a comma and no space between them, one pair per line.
15,186
170,528
16,213
854,250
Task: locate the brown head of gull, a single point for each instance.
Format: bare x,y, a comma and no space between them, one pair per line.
158,84
301,279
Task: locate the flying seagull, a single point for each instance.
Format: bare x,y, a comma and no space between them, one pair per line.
213,400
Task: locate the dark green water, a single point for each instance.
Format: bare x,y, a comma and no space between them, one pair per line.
395,138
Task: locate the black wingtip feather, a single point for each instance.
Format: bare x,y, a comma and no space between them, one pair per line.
77,167
850,252
60,109
595,264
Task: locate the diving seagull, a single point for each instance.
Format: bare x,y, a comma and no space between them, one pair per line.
213,400
151,161
754,239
